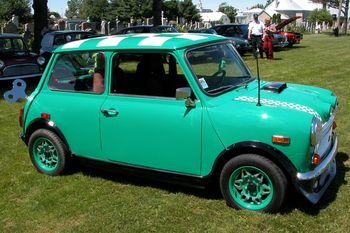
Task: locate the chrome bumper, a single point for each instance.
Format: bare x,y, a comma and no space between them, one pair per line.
314,183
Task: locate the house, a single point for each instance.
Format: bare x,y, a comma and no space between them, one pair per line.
214,17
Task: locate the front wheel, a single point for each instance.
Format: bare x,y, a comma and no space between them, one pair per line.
48,152
253,182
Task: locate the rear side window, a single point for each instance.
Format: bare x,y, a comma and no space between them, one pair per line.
79,72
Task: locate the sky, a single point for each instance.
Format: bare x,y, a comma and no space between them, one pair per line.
60,5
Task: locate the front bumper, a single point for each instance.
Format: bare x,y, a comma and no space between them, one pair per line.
314,183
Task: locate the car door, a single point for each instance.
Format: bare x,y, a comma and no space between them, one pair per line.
156,132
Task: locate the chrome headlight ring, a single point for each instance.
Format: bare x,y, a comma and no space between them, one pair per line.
316,131
2,64
40,60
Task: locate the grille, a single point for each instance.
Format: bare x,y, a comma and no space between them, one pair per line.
22,69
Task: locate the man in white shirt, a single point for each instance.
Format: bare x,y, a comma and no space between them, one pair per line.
255,34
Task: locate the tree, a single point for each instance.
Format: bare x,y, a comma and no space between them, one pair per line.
73,8
54,13
171,9
189,11
157,10
40,21
268,2
127,9
320,16
261,6
20,8
95,10
230,11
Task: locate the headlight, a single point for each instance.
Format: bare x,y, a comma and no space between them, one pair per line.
41,60
316,131
2,64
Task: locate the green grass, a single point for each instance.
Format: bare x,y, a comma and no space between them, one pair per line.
91,201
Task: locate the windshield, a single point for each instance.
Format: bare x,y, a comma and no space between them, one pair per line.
218,68
12,45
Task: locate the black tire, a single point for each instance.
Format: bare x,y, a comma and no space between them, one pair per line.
253,182
48,152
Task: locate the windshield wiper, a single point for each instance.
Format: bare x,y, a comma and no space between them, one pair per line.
222,88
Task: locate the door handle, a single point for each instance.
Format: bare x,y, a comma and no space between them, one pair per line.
109,112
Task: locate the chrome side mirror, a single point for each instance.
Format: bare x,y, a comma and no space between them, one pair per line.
185,93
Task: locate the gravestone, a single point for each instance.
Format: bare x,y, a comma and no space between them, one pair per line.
61,25
14,20
103,28
10,27
85,25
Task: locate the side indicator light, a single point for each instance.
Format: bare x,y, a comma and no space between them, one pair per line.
20,117
334,126
316,159
45,116
281,139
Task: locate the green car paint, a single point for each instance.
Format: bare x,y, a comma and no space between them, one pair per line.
165,135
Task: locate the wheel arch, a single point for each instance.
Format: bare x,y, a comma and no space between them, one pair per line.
255,147
41,123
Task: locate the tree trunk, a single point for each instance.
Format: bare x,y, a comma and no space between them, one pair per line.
40,22
157,12
346,15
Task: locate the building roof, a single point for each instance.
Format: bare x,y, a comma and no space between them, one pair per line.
294,5
212,16
157,41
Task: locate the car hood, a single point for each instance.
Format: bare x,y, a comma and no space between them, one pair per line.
18,58
239,40
311,100
286,22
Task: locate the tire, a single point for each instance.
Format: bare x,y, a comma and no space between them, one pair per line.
253,182
48,153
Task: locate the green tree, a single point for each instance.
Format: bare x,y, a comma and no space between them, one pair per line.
125,9
171,9
73,8
261,6
268,2
230,11
189,11
320,16
95,10
20,8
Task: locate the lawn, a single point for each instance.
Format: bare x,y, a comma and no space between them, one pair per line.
93,201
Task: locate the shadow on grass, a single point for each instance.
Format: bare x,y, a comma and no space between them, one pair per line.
131,178
297,201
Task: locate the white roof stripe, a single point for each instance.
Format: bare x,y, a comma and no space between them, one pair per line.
73,45
114,41
154,41
191,37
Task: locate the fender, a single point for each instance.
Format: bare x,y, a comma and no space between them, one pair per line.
41,123
257,147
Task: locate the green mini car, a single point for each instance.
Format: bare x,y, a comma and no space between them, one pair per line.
183,108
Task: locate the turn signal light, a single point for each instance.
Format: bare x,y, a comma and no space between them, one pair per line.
334,126
281,139
316,159
45,116
20,117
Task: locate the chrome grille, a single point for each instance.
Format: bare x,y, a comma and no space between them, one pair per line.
21,69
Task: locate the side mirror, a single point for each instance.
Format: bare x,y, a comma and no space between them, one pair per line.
185,93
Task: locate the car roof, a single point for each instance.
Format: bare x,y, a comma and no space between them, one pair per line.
66,32
154,41
10,35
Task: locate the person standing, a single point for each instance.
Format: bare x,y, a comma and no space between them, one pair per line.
255,34
268,36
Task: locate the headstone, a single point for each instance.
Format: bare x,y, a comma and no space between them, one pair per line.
109,27
103,28
14,20
61,25
10,28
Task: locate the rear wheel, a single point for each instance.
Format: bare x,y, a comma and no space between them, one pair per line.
253,182
48,153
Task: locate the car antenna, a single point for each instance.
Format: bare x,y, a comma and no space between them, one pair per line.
257,68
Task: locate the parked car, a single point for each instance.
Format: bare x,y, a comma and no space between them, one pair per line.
51,40
241,31
16,61
182,108
147,29
292,37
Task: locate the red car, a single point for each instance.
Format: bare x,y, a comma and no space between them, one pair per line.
16,61
292,37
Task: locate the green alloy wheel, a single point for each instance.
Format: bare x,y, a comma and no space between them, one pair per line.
48,153
253,182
